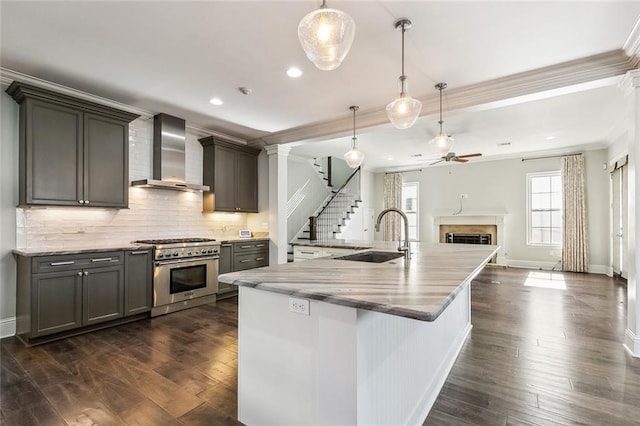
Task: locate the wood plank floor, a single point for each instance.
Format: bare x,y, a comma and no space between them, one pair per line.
536,355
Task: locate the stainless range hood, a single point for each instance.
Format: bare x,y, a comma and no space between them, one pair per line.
169,138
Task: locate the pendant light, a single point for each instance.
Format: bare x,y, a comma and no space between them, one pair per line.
326,36
404,111
442,143
354,157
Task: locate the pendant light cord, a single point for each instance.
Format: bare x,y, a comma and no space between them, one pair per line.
402,76
440,122
353,140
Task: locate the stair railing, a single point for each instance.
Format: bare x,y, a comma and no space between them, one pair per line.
326,223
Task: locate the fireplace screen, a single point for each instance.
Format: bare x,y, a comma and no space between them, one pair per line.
460,238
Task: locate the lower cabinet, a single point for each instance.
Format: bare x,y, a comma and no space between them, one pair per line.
239,256
138,282
64,294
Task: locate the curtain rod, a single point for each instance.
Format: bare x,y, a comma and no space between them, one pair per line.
403,171
551,156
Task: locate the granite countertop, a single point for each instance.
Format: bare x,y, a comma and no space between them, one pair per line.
420,288
80,249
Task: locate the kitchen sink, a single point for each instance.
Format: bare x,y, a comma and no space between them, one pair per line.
372,256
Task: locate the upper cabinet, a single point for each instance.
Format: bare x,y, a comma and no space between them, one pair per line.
72,152
231,171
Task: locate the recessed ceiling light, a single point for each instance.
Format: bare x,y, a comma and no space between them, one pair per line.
215,101
550,138
294,72
390,158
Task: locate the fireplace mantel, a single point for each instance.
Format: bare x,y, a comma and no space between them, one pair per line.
474,217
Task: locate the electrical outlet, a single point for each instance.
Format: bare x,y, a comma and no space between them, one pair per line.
299,306
464,196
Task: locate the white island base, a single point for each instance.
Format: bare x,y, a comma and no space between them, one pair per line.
341,365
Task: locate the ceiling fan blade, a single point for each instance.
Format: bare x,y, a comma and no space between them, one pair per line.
436,162
477,154
460,160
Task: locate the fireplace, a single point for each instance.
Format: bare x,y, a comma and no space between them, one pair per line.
472,228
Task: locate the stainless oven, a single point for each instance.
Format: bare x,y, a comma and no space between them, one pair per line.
185,273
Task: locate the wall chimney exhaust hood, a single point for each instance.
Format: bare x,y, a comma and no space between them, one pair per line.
169,138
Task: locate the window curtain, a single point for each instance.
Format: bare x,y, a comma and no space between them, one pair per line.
574,232
392,198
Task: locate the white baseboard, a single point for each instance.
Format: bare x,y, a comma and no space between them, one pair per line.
548,266
631,343
7,327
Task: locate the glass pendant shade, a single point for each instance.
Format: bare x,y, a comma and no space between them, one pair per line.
441,144
326,36
404,110
354,157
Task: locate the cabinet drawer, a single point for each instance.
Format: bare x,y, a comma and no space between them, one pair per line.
307,252
243,247
251,260
76,261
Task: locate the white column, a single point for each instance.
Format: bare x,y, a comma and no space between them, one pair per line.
631,86
278,203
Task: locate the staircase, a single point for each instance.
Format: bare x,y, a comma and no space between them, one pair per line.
334,214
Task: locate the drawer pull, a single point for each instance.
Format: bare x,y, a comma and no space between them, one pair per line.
102,259
258,259
139,252
245,261
309,252
225,245
70,262
245,247
259,245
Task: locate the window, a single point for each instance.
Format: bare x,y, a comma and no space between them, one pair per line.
544,212
410,208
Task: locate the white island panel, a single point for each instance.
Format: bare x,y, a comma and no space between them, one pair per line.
341,365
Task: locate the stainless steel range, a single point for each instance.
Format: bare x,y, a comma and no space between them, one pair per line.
185,273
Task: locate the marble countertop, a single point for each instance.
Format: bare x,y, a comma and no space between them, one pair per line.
352,244
236,239
420,288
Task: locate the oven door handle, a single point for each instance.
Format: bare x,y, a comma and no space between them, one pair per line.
190,260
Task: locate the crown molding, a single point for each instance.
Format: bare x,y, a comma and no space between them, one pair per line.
8,76
632,45
553,80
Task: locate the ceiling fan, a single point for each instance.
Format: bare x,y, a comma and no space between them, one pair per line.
451,156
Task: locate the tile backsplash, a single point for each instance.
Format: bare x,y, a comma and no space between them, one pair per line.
152,213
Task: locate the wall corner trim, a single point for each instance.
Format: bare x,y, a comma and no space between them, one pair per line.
632,343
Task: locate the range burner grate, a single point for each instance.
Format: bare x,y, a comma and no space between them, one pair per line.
175,241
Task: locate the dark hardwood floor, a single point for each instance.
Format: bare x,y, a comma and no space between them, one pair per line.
535,356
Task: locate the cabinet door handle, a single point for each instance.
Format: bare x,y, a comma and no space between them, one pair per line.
139,252
258,259
259,245
81,201
245,261
86,201
70,262
102,259
225,245
79,274
86,273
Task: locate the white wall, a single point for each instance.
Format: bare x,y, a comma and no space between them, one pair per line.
355,229
501,184
8,201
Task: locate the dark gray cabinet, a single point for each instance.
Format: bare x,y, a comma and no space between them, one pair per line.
231,171
138,283
239,256
60,295
56,298
72,152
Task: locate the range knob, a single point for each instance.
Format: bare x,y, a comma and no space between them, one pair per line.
175,254
160,255
188,253
204,251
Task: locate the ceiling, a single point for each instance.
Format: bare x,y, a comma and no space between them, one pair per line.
173,56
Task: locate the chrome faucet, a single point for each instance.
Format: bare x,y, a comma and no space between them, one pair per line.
405,248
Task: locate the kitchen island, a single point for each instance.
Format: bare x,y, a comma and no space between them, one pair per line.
331,341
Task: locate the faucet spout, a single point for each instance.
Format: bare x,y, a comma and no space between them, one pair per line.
401,247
